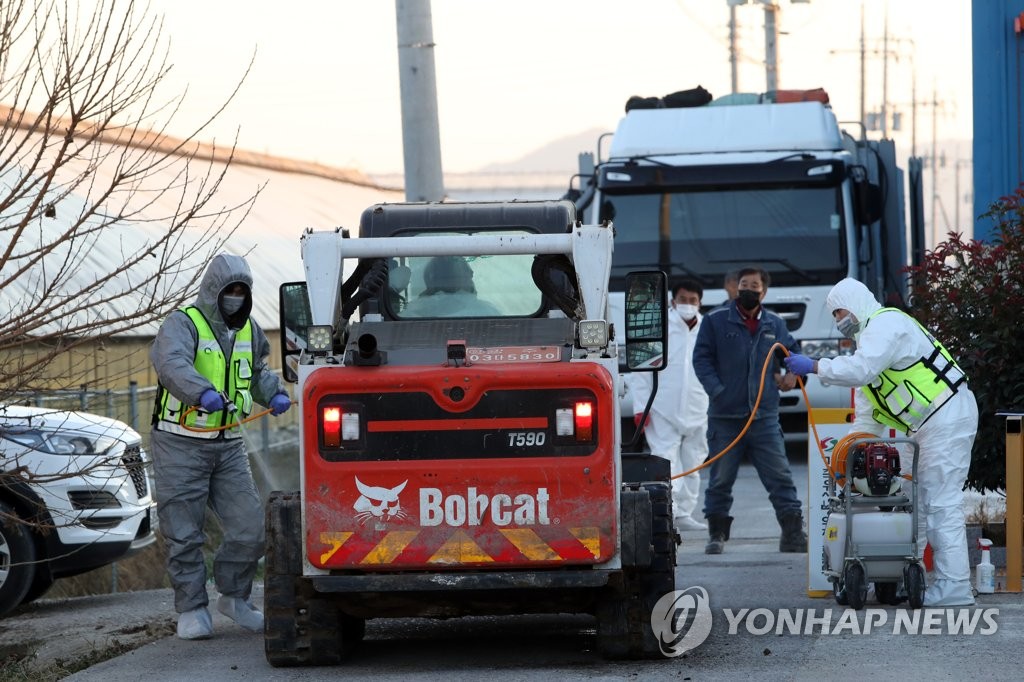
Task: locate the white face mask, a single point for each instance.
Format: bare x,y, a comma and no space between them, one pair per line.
848,326
231,304
687,311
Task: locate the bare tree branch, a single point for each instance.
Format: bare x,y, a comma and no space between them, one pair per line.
106,221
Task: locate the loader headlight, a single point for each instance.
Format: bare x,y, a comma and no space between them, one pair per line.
593,333
319,338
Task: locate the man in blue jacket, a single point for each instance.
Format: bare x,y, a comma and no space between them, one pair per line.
731,349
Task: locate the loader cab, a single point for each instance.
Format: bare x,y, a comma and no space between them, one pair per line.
443,286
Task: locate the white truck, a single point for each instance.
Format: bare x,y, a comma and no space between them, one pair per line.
699,191
459,444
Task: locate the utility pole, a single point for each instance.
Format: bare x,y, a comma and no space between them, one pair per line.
421,138
733,53
960,163
885,75
771,42
935,162
863,66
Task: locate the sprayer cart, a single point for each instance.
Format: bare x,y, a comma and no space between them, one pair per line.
871,533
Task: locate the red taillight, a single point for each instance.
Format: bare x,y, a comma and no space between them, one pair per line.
332,426
583,417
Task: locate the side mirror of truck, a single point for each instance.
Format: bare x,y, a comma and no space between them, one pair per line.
868,200
646,321
296,317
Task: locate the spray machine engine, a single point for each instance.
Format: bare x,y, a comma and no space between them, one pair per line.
876,469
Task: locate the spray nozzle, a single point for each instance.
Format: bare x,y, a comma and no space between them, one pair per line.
229,404
984,544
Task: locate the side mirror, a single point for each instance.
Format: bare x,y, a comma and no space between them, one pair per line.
646,321
296,317
868,198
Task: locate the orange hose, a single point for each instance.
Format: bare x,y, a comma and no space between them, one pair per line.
837,469
750,420
195,429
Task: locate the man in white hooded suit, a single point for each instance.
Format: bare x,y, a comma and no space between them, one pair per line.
908,381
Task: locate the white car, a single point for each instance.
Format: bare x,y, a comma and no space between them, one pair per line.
74,496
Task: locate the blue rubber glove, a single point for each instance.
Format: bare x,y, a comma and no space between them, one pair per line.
801,365
211,401
279,404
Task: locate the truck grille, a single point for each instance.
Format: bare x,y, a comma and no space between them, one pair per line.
132,461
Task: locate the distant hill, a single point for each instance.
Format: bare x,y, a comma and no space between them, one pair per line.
557,156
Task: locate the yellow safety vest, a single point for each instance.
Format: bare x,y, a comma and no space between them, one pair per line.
234,381
905,398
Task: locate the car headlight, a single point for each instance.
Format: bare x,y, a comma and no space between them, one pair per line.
79,444
827,348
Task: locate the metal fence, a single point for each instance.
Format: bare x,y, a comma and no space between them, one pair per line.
134,406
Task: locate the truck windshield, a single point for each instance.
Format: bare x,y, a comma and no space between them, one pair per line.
795,233
466,286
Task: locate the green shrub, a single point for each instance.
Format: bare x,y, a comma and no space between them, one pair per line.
971,295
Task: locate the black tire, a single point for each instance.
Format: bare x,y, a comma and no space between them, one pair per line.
17,559
301,627
915,581
855,585
839,592
42,582
886,593
624,613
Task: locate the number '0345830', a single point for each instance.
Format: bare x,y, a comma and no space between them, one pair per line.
526,438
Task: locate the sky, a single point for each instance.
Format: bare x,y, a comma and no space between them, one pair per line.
513,76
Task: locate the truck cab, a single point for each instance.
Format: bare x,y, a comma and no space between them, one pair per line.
699,191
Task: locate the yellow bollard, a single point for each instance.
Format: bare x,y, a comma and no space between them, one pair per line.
1014,501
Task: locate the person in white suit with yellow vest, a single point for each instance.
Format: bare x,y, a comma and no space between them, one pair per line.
212,356
909,382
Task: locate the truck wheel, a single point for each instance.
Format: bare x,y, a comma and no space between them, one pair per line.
301,627
17,557
624,614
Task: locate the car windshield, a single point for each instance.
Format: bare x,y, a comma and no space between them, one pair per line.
463,286
795,233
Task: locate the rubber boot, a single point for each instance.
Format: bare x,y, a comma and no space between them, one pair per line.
718,532
793,538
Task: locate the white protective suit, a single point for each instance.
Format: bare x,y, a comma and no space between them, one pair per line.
678,423
894,340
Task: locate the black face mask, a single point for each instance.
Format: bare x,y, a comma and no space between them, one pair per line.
748,299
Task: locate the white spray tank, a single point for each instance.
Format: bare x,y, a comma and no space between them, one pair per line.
985,572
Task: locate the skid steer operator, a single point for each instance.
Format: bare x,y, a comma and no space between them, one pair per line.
908,381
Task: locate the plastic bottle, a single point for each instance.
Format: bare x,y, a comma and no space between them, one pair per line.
985,572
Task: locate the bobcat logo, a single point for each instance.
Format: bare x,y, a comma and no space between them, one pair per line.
379,503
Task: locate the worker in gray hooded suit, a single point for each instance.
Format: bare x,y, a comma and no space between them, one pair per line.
211,356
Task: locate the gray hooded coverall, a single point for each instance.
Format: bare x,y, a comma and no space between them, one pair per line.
193,473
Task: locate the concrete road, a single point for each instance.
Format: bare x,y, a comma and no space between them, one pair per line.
751,574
